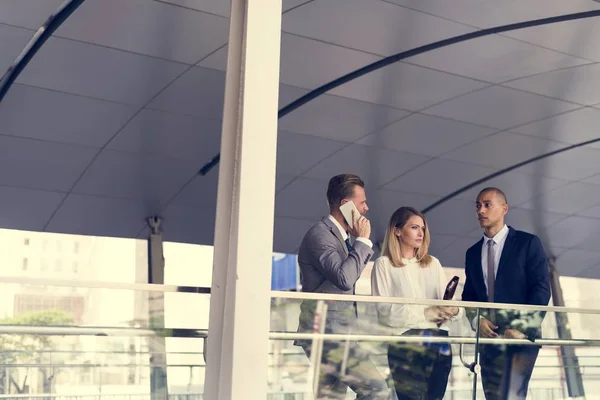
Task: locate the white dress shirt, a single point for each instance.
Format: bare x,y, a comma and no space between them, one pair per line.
409,281
345,234
499,239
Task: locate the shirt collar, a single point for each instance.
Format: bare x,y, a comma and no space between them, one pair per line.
337,224
406,261
500,236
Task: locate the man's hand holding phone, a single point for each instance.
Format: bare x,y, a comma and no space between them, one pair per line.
362,226
358,225
514,334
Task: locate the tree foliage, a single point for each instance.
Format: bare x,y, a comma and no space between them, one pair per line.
16,347
24,348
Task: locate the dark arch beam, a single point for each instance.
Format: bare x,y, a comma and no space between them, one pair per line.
505,170
409,53
37,41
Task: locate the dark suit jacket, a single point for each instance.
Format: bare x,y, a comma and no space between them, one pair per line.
522,278
326,266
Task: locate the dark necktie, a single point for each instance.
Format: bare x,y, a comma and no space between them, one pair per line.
491,276
349,247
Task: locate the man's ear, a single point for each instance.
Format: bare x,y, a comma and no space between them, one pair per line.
344,201
505,206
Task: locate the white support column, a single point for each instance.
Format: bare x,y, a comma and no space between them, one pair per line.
239,308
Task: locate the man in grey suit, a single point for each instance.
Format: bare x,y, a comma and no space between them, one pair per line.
331,263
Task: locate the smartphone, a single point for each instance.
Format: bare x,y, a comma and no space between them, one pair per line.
346,210
451,288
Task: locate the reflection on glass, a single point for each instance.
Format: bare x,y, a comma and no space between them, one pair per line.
373,338
552,364
62,339
543,364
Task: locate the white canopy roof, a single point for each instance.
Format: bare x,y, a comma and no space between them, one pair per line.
115,115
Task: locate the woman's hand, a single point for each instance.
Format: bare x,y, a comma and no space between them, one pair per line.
438,314
453,311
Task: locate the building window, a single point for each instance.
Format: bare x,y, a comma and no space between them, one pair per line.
76,247
25,264
26,242
58,265
44,264
75,266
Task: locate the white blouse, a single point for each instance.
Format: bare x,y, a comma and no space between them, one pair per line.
410,281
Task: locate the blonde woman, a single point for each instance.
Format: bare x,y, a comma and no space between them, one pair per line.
405,269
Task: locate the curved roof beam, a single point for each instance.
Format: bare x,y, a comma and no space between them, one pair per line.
53,22
409,53
505,170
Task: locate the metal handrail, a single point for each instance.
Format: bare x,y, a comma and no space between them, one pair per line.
77,352
100,331
95,365
338,337
105,331
146,287
96,396
292,295
429,302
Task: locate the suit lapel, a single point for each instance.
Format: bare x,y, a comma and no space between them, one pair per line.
478,269
506,251
336,232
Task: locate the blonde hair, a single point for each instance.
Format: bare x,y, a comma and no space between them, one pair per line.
392,247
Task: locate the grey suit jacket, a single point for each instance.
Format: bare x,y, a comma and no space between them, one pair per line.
326,266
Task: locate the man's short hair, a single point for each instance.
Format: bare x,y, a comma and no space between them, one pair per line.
497,191
342,187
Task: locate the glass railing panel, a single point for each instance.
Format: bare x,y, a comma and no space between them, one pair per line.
100,367
538,354
77,340
369,343
396,335
39,304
